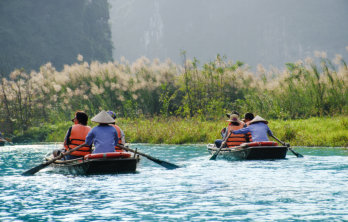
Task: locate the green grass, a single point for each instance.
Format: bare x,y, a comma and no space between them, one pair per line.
323,131
314,131
304,132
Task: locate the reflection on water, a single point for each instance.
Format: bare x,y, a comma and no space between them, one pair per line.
323,151
313,188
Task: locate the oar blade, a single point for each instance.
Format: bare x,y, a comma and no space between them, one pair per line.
169,166
213,157
288,145
34,170
298,155
43,165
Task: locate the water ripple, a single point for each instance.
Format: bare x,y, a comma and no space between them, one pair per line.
313,188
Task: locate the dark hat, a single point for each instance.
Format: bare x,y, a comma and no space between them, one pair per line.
81,116
249,116
233,112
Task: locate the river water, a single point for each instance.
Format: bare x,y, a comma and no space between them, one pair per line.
313,188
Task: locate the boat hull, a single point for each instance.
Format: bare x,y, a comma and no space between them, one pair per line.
96,166
251,153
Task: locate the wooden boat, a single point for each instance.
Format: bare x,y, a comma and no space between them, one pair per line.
251,151
100,163
2,141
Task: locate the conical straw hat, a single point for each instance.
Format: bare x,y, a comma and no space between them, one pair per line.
258,119
103,117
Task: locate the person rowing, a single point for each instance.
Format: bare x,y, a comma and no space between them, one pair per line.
104,136
247,118
258,128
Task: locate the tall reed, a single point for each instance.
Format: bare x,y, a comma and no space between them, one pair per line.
153,88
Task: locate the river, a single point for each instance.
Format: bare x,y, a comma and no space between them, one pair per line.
313,188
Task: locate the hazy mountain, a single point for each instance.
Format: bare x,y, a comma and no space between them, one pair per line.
270,32
34,32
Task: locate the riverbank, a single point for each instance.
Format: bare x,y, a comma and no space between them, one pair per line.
323,131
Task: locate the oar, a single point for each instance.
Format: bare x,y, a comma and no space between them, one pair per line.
9,141
288,145
36,169
213,157
163,163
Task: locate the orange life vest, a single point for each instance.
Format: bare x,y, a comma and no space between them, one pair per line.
236,139
118,129
249,138
77,137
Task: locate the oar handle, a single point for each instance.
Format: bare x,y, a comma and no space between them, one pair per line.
133,151
62,154
213,157
288,145
158,161
283,143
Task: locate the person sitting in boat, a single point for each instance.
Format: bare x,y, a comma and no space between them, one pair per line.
76,136
120,132
258,128
234,139
223,132
104,136
247,118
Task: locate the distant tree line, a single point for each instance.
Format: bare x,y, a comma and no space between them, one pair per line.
35,32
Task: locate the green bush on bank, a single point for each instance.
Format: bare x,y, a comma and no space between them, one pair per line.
315,131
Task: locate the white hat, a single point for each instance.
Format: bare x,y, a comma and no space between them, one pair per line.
233,118
103,117
258,119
